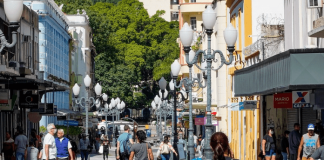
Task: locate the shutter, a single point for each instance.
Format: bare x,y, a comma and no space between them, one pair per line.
308,115
292,118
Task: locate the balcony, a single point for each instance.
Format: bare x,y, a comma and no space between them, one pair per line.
318,28
193,7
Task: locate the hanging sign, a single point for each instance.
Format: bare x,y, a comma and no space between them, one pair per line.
248,105
10,105
199,121
282,100
28,101
301,99
41,108
50,109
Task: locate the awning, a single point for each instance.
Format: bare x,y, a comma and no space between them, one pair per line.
64,112
296,69
199,106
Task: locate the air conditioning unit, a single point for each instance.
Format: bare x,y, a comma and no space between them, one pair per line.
315,3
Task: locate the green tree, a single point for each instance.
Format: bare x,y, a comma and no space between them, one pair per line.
133,48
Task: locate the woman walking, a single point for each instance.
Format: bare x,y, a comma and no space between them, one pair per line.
220,146
165,148
269,145
106,144
141,150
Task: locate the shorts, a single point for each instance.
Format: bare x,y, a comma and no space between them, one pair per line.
270,153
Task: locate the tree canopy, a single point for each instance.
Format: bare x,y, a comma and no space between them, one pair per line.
133,49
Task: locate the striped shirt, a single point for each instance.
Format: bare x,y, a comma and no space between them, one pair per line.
169,146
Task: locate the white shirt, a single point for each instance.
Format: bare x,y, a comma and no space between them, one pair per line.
32,153
49,139
195,139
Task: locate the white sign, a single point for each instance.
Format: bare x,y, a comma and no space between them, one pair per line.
248,105
301,99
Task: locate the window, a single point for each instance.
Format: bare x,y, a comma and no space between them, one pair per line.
175,16
193,23
193,1
174,1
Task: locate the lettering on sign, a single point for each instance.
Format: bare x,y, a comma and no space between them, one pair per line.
282,100
301,99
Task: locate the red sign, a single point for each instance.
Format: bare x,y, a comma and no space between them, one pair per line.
214,113
282,100
199,121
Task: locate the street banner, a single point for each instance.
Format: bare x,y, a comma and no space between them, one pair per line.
282,100
199,121
301,99
28,101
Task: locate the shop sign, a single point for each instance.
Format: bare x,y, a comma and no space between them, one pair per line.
51,109
301,99
248,105
71,123
199,121
213,110
282,100
10,105
41,108
4,96
28,101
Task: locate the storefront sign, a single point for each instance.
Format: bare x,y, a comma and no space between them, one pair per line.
71,123
248,105
301,99
282,100
51,109
28,101
199,121
4,96
41,108
10,105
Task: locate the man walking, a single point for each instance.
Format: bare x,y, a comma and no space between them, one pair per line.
125,137
64,147
49,146
294,141
308,143
21,144
84,143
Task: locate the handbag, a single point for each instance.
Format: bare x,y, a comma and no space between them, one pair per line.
267,146
101,149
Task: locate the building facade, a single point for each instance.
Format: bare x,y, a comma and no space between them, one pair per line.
82,56
171,8
54,53
19,74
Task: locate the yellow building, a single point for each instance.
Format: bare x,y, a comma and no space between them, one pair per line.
244,129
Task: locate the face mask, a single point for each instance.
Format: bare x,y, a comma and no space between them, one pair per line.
272,132
55,130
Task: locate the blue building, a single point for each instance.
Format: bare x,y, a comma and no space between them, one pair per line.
53,53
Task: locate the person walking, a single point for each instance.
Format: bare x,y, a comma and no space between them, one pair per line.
285,146
123,139
21,144
106,145
165,148
84,143
269,139
49,146
32,152
34,139
195,142
8,147
220,146
308,143
293,142
141,150
64,147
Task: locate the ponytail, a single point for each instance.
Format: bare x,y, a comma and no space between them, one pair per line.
219,152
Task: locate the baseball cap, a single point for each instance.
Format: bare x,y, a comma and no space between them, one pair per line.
310,126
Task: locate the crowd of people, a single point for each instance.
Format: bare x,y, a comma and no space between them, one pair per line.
63,148
294,145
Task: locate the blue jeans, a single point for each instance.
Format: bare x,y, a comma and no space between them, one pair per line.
165,156
284,155
270,153
84,154
20,156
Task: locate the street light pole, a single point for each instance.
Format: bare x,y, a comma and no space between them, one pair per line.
186,36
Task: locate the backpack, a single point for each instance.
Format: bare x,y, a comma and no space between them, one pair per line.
127,146
165,149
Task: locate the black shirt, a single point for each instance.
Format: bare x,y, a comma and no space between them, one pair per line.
271,140
284,144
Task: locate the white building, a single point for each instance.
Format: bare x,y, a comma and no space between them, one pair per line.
82,58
